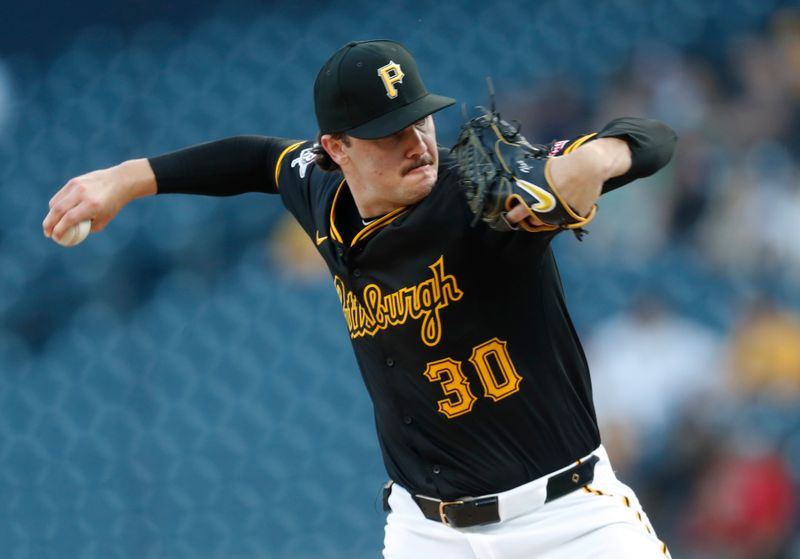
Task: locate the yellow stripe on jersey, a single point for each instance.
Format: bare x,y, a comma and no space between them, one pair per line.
290,149
377,224
369,229
334,232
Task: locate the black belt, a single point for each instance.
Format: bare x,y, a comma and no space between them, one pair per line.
475,511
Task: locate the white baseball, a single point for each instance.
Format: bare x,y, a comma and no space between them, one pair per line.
75,234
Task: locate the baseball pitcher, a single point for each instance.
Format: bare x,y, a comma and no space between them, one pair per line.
442,262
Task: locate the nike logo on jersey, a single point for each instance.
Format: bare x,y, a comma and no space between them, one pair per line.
422,301
319,240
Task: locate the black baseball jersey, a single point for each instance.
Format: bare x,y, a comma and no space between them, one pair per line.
462,335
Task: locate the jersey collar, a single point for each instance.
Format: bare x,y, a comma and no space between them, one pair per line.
366,231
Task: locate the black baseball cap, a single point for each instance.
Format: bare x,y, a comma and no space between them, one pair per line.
372,89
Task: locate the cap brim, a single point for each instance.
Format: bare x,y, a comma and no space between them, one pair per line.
400,118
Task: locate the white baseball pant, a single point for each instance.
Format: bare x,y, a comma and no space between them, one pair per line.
603,520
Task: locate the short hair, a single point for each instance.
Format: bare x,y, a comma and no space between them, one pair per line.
322,158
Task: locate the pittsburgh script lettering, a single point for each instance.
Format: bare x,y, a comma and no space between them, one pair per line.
381,311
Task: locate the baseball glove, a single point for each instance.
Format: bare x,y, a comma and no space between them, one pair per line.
500,170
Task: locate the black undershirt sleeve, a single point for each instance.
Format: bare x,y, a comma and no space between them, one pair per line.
652,143
220,168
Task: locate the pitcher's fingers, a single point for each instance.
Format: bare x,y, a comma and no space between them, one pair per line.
57,211
50,220
72,217
517,214
62,192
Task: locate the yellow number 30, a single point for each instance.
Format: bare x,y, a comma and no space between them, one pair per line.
455,385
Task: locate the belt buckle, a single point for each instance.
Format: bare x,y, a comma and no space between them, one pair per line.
443,513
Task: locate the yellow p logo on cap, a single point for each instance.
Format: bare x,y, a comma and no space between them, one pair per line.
391,74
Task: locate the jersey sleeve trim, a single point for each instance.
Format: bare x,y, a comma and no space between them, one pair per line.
579,142
290,149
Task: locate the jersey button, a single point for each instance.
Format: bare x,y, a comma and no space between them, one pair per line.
357,272
436,469
407,420
339,251
389,362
